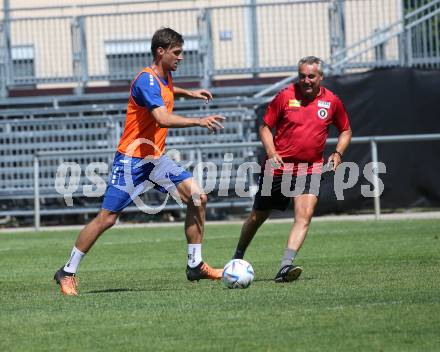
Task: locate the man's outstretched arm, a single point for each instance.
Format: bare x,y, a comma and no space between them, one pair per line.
166,120
203,94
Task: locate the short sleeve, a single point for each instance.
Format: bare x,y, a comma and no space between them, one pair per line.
146,91
340,119
274,109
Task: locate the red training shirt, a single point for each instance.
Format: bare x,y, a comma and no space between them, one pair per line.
301,126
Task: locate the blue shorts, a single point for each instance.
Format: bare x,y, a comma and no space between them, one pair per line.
131,177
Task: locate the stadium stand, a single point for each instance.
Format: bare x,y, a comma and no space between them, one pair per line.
82,129
20,138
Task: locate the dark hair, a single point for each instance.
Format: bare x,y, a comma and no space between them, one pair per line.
310,60
165,38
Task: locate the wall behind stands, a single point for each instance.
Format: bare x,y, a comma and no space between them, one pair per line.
389,102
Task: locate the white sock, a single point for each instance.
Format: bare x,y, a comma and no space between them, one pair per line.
73,263
194,254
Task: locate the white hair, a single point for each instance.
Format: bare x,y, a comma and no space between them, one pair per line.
310,60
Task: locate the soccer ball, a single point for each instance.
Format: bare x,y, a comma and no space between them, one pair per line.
238,273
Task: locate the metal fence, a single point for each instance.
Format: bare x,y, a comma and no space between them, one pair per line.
28,176
422,38
250,38
411,41
201,153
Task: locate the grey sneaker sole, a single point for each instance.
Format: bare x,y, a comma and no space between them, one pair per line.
292,275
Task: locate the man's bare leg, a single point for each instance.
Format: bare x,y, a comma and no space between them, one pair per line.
250,227
195,200
304,207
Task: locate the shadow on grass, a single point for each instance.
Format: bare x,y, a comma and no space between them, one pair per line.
116,290
263,280
271,279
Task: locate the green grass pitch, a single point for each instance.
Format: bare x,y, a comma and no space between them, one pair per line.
366,286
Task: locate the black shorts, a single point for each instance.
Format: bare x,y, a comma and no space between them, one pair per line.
278,194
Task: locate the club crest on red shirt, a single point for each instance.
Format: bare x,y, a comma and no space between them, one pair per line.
322,114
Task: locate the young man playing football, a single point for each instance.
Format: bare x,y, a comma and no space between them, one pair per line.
140,160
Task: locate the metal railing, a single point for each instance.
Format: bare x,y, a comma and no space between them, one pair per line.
411,40
402,31
82,48
194,154
197,151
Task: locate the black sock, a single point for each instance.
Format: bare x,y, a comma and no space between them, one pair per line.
239,254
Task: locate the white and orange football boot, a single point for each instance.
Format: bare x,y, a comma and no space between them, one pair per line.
203,271
67,282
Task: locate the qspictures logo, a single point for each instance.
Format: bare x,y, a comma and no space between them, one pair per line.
225,179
